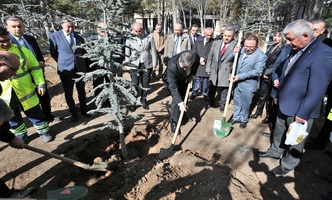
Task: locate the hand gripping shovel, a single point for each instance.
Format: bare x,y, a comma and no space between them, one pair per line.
222,128
97,166
165,153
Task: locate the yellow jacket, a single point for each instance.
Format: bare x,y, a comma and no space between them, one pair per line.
22,83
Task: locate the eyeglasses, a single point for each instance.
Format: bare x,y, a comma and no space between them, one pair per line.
249,47
14,70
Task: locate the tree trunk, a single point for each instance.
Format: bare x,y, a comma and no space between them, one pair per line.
317,11
175,19
123,143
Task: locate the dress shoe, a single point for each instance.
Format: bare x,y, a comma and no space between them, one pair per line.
314,145
266,134
206,98
243,125
85,114
51,118
144,105
173,127
281,171
256,115
210,105
47,137
222,108
266,120
263,154
323,175
326,195
233,121
132,108
20,194
192,97
74,117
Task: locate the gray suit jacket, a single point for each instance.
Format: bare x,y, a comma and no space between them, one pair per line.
145,47
220,68
249,70
170,43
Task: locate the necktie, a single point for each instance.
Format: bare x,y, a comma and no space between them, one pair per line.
292,61
245,57
194,39
21,42
223,49
176,46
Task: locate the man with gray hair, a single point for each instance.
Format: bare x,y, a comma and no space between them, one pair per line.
299,94
64,51
147,61
176,43
180,69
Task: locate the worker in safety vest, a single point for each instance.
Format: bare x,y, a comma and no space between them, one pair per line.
19,91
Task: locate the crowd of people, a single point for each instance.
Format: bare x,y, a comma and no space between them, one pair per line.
290,78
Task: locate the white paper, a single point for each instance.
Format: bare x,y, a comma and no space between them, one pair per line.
296,133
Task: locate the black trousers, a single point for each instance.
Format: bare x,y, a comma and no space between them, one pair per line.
212,94
144,77
175,110
68,86
4,190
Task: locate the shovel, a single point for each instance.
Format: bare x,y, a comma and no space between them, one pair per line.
222,128
97,166
165,153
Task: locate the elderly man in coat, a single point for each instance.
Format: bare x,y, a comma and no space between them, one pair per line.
202,46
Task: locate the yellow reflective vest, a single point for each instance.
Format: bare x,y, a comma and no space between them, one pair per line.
22,83
329,117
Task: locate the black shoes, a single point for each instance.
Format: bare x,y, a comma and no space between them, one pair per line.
192,97
206,98
74,117
20,194
173,127
234,121
85,114
222,108
145,105
51,118
314,145
256,115
323,175
281,171
243,125
210,105
263,154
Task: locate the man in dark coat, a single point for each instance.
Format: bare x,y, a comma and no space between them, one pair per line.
16,29
202,47
180,69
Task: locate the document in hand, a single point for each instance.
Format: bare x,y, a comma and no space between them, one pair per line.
296,133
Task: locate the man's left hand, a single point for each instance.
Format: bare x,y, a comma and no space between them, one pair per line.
235,78
154,68
42,64
300,120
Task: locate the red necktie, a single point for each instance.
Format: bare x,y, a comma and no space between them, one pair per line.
223,49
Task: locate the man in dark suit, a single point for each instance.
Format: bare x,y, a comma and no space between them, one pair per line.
9,64
16,28
250,65
64,51
202,47
193,36
302,84
219,68
180,69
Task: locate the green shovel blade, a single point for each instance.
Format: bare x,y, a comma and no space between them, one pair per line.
69,193
221,128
